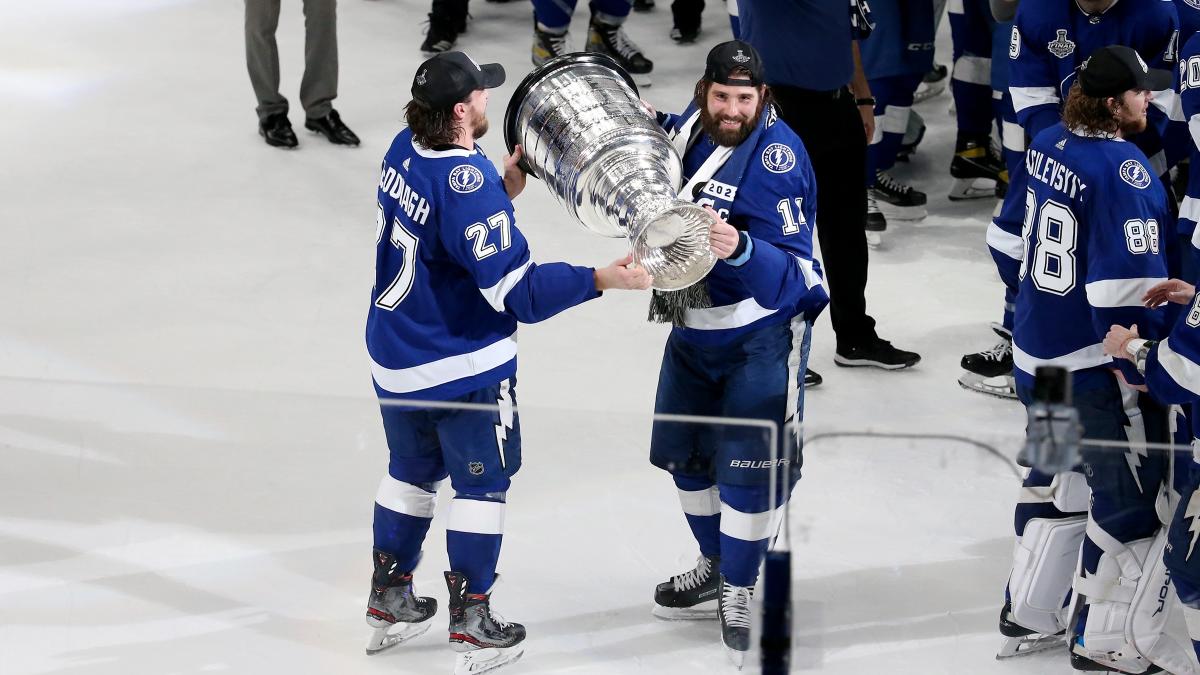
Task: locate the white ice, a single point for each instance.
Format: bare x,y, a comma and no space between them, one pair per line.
190,443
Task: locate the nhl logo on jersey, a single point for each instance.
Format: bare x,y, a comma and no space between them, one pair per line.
1014,43
1060,46
1135,174
778,158
465,178
476,468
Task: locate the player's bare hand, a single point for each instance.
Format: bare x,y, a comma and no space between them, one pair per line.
1115,340
723,238
514,175
1171,290
649,107
623,275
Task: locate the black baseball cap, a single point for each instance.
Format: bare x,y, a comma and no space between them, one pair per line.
727,57
1115,69
450,77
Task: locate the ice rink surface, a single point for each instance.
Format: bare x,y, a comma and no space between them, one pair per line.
189,443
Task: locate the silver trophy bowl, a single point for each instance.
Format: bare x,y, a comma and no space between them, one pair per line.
587,135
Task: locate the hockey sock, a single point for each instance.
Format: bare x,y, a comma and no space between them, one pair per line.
747,525
553,14
473,536
702,508
403,512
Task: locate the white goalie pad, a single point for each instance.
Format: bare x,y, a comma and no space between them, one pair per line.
1044,562
1130,603
1067,491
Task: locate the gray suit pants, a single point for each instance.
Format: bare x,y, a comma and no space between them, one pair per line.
319,86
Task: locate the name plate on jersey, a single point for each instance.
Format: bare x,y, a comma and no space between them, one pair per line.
589,138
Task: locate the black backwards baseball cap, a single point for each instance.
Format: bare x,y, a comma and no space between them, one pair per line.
450,77
1115,69
727,57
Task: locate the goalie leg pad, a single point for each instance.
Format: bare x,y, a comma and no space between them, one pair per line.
1044,561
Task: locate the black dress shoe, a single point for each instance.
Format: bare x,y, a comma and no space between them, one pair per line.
812,378
332,127
277,130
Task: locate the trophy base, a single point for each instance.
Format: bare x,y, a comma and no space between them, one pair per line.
674,247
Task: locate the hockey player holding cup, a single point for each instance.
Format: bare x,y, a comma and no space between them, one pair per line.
453,277
1094,223
1049,39
740,339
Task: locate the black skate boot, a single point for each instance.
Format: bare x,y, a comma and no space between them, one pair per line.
735,621
991,370
692,594
393,609
1020,641
547,45
610,39
484,641
897,200
932,84
974,160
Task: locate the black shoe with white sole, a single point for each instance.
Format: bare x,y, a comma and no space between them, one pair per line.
877,354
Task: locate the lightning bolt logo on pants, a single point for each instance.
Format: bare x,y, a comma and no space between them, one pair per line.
1136,435
505,403
1193,511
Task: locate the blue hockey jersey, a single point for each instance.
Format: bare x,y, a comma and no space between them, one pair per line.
1189,95
453,275
1094,221
902,42
771,197
1050,38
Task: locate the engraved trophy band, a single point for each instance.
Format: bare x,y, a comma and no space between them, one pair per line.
588,136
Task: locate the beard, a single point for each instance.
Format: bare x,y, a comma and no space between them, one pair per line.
727,137
479,126
1133,126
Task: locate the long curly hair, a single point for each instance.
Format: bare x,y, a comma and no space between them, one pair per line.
1089,113
431,127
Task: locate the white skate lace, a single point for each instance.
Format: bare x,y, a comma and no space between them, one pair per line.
735,605
624,46
998,352
884,180
694,577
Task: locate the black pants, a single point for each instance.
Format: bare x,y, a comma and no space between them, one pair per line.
832,131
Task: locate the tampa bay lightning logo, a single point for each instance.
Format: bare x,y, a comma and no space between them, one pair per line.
778,158
465,178
1135,174
1192,3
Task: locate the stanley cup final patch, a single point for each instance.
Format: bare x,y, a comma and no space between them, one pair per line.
778,158
465,178
1060,46
1135,174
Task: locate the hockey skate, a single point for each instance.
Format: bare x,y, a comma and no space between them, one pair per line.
897,200
975,161
1084,664
611,40
690,595
547,45
932,84
735,621
393,609
484,641
990,371
1020,641
914,133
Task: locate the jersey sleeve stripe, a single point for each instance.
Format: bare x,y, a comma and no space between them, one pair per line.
475,516
812,278
1004,242
1120,292
1194,129
1029,97
1181,368
749,526
1014,136
1087,357
495,295
973,70
1190,210
727,316
1169,102
449,369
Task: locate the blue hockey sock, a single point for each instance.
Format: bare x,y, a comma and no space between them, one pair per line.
473,536
702,508
403,512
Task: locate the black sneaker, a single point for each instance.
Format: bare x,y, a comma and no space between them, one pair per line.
332,127
691,594
442,34
611,40
643,5
277,131
812,378
685,36
685,22
547,45
877,354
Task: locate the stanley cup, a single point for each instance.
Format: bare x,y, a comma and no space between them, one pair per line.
588,136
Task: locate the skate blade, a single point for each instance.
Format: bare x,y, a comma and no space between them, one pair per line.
909,213
486,660
926,91
703,611
391,635
737,658
965,189
1017,647
1000,386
